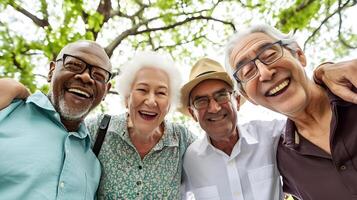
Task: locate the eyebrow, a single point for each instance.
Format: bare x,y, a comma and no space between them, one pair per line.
148,85
259,49
217,91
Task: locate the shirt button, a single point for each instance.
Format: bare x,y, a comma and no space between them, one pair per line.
61,184
343,167
140,167
138,183
137,193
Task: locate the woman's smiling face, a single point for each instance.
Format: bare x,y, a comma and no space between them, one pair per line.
149,99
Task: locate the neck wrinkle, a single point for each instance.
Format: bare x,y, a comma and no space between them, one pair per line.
316,115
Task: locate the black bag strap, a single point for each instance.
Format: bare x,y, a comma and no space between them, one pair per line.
102,130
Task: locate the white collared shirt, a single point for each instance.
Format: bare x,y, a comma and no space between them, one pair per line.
249,173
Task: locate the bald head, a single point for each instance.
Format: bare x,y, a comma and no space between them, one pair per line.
89,51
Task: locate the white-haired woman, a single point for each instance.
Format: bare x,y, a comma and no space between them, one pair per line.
142,152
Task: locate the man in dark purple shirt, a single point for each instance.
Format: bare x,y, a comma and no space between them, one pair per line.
317,155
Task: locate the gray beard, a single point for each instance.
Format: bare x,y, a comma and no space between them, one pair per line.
67,113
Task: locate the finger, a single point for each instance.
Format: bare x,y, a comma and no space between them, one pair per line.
353,80
345,93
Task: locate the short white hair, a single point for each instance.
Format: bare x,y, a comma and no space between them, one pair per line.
150,59
287,40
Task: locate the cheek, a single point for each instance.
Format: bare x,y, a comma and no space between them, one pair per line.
164,105
134,100
251,89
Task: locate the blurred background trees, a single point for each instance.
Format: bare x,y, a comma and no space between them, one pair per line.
32,32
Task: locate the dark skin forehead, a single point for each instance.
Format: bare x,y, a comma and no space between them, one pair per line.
88,51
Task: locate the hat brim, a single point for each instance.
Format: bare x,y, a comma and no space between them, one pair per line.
187,88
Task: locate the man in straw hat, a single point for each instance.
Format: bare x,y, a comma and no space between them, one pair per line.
231,161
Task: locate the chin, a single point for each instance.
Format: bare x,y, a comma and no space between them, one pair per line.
69,113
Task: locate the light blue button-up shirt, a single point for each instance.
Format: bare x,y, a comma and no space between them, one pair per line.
39,158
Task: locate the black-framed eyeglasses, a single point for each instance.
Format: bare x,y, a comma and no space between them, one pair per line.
220,97
78,66
246,71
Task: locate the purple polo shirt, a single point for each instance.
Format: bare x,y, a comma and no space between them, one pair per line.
310,173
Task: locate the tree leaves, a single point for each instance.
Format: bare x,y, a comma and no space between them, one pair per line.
185,28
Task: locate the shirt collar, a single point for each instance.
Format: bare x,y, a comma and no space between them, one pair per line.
41,100
291,136
250,138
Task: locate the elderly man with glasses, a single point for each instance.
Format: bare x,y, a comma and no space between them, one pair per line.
45,147
232,161
317,154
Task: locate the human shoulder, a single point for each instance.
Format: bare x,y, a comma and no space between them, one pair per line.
92,123
34,101
181,131
16,104
196,147
263,129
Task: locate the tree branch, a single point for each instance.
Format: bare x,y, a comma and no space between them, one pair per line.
134,30
324,21
186,21
340,36
179,43
249,6
39,22
105,8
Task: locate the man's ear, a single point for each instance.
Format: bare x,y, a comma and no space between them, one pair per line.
126,101
192,113
237,97
51,71
299,54
108,86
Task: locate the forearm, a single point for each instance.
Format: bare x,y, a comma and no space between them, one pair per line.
10,90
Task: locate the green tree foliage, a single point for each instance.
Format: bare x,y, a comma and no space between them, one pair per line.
175,26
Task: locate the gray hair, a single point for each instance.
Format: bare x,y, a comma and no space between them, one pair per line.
287,39
152,59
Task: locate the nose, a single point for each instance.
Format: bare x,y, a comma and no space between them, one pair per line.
150,100
266,72
213,106
85,76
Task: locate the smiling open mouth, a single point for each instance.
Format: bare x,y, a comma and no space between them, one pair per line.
147,115
279,89
79,93
217,118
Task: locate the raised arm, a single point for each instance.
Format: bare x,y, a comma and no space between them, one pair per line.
10,90
340,78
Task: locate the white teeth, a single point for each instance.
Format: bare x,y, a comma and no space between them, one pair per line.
279,87
148,113
79,92
216,118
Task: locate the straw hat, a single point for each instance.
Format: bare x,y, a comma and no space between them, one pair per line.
204,69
